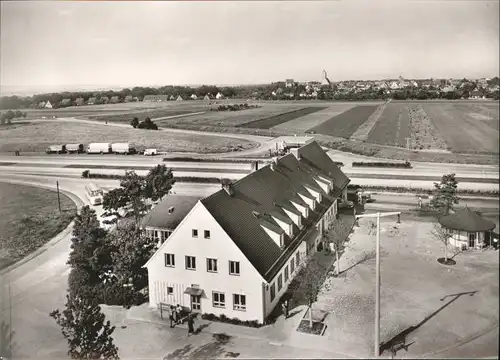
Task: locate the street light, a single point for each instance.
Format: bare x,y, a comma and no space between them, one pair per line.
378,215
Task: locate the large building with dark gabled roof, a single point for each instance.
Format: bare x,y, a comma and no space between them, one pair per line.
237,250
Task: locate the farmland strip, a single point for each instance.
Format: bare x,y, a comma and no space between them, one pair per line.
345,124
364,130
269,122
385,130
424,134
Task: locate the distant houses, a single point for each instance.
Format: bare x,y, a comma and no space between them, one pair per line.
65,102
219,96
114,100
157,98
172,97
179,98
91,101
129,98
476,94
48,105
289,83
194,97
79,102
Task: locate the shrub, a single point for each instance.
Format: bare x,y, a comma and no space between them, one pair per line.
235,321
85,174
191,159
405,165
189,179
134,122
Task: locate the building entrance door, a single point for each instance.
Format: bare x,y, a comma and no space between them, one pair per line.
472,240
196,303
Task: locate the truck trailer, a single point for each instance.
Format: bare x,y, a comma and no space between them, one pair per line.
74,148
122,148
99,148
56,149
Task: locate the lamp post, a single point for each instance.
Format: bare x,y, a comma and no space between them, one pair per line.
378,215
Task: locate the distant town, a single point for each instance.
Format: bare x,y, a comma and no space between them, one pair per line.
289,89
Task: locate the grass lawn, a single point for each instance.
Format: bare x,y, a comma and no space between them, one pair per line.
436,306
29,217
346,123
393,126
275,120
37,137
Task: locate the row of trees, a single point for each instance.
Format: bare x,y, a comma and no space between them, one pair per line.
106,266
9,115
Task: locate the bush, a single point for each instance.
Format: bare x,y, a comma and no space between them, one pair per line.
189,179
85,174
402,189
191,159
134,122
405,165
235,321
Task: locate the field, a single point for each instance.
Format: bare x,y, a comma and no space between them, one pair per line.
29,217
36,137
272,121
462,132
232,118
156,113
392,128
346,123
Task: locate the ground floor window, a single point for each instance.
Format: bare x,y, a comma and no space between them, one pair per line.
219,299
273,292
239,302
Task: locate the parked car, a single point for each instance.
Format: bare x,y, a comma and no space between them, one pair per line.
150,152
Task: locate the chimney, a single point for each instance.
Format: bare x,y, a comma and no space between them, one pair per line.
295,153
227,186
171,210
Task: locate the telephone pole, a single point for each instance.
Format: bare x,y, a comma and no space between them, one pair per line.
377,275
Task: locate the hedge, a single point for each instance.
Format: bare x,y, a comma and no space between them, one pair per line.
405,165
235,321
186,179
191,159
402,189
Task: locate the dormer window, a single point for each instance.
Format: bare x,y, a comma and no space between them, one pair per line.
282,241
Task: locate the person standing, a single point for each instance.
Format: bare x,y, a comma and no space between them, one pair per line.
283,309
178,309
286,309
173,316
190,325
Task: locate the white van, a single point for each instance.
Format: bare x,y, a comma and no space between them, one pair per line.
99,148
56,149
150,152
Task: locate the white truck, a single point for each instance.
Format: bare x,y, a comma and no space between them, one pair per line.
99,148
122,148
74,148
56,149
150,152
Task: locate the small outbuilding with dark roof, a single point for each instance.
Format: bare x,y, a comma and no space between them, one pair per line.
467,228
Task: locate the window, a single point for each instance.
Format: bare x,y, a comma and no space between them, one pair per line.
273,292
286,273
280,282
170,290
234,267
190,263
211,265
170,260
155,234
239,302
207,234
297,258
292,266
195,233
218,299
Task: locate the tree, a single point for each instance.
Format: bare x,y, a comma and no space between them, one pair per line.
83,325
311,277
440,233
113,201
133,191
133,250
134,122
445,194
90,254
159,182
336,235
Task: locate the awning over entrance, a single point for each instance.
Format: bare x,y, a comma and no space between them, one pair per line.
193,291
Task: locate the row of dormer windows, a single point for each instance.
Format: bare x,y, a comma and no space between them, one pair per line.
212,264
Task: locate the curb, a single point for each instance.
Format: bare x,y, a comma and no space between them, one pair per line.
52,242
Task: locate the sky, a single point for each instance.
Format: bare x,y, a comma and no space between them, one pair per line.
62,44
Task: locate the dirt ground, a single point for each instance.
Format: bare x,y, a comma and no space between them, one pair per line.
437,306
